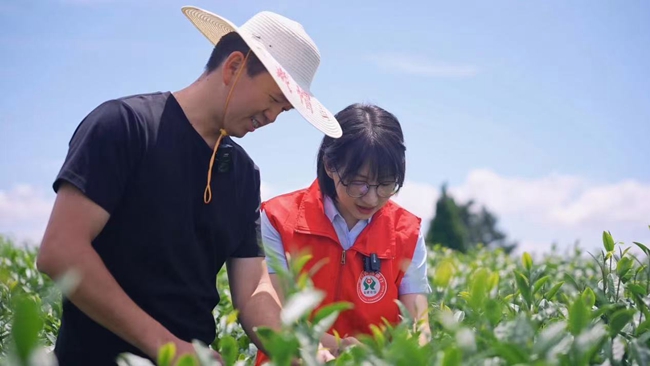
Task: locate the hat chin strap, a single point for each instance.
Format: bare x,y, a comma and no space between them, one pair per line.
207,194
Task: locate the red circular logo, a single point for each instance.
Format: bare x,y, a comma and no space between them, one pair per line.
371,287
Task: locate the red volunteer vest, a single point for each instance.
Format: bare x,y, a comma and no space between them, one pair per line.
392,234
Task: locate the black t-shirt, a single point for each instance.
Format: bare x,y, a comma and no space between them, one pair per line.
140,159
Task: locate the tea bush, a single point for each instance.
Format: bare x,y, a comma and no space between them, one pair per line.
487,308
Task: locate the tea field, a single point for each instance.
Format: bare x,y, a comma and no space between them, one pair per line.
487,308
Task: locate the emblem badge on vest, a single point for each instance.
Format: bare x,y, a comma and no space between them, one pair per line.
372,285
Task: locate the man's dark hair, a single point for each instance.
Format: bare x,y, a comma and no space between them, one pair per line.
370,135
228,44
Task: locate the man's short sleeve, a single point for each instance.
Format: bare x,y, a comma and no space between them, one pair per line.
102,153
251,245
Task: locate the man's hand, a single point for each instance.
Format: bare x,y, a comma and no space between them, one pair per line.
324,355
418,307
346,343
183,348
329,343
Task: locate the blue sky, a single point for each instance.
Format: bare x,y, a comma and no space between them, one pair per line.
537,109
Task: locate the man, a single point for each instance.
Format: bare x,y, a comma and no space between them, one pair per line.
137,218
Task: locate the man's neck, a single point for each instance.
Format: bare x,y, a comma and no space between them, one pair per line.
195,101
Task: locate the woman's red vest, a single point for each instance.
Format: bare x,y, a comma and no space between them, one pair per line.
391,235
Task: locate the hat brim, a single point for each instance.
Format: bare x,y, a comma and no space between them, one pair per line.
214,27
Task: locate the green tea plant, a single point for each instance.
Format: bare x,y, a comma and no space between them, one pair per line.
27,299
578,311
487,308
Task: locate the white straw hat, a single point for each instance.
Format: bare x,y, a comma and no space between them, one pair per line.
287,52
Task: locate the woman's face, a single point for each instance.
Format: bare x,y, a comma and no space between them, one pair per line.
361,196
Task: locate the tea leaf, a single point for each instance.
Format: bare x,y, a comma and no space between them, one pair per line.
512,354
280,347
623,266
493,311
299,304
527,261
589,297
493,281
578,316
444,272
187,360
643,327
524,288
539,283
619,320
324,324
549,295
300,261
608,241
643,248
327,310
452,357
479,288
549,336
27,324
166,354
232,317
640,352
636,289
228,349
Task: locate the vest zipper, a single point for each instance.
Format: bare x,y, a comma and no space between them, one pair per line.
338,288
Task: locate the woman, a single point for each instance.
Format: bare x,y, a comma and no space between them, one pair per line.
375,248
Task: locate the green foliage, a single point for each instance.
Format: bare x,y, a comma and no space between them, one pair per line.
487,307
481,228
30,309
447,227
462,226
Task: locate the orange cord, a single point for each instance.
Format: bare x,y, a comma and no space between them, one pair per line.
207,194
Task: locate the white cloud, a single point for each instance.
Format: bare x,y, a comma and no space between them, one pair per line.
624,202
415,65
24,211
568,201
554,209
419,198
509,195
266,191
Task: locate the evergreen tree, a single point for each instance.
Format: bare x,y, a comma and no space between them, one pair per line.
482,228
460,227
447,228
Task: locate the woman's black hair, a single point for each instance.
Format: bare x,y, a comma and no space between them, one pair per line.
371,135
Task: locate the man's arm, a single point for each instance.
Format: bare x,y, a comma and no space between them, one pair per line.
414,288
75,221
253,295
103,151
418,308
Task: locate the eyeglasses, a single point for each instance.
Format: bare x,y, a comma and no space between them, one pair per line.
357,189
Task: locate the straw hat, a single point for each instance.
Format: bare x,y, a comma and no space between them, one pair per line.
287,52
